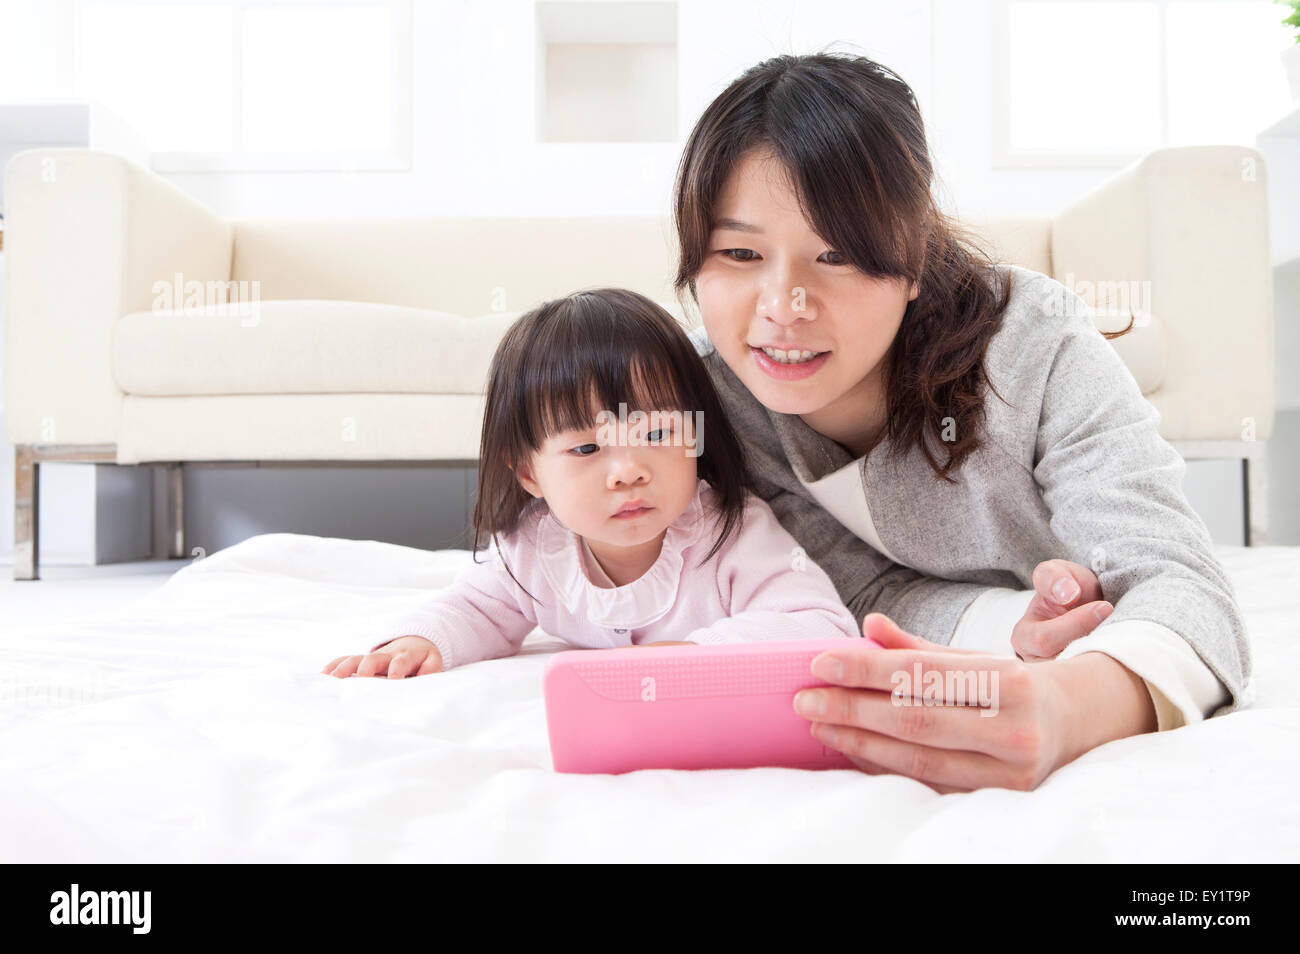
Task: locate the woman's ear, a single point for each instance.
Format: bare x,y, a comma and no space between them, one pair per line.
916,290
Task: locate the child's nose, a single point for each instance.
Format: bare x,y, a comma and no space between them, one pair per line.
626,467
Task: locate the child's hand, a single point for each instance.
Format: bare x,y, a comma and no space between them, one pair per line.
400,657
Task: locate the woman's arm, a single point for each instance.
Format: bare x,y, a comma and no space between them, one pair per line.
937,609
1113,487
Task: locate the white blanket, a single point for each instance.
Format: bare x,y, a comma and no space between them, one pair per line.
195,726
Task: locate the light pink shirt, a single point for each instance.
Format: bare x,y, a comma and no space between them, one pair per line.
758,586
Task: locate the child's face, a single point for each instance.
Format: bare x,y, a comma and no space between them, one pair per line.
586,476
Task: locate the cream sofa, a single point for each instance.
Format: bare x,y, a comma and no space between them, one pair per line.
367,340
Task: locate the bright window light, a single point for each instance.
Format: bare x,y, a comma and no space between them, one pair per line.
1084,77
252,84
316,78
1226,80
165,70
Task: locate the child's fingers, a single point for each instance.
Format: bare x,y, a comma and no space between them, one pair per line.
373,663
332,663
400,665
346,666
397,665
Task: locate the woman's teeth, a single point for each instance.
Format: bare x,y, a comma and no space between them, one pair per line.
790,357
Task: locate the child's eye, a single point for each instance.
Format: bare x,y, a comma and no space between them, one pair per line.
842,259
578,450
659,435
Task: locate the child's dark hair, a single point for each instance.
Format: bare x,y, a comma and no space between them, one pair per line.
607,346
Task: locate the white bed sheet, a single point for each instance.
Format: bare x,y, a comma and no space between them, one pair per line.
194,725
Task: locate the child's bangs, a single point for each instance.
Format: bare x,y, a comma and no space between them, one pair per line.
577,376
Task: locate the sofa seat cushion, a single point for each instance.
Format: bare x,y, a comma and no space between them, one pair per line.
304,347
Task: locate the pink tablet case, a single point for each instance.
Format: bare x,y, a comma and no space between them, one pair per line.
685,707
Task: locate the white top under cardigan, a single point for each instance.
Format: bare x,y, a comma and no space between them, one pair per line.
1181,686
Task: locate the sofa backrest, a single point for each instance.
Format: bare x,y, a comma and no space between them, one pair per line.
475,266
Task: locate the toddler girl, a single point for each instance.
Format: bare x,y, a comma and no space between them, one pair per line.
610,528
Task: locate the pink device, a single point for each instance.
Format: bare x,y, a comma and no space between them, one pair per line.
686,707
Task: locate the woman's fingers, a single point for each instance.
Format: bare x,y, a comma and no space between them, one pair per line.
871,768
1036,640
953,720
945,724
1067,604
1062,584
943,769
890,635
866,667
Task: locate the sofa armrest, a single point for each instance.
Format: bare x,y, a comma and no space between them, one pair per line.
87,234
1187,229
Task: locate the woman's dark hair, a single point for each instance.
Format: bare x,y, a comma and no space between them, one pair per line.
849,135
603,346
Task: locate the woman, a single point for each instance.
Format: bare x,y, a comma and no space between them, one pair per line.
930,427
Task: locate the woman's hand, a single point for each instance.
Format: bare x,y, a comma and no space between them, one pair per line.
1032,719
400,657
1067,604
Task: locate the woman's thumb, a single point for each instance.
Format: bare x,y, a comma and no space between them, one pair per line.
887,633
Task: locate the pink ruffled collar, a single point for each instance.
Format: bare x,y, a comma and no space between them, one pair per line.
634,604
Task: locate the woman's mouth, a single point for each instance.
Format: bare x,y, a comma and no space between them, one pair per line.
789,365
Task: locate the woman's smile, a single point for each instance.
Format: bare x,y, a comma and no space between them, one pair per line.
788,369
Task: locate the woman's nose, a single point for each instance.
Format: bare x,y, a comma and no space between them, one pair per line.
784,296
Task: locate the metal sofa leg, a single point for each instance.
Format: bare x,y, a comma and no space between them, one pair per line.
27,461
1254,479
27,486
172,546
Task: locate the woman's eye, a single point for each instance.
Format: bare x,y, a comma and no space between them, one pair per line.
749,255
579,450
659,435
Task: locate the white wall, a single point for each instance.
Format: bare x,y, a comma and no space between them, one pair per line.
474,150
474,153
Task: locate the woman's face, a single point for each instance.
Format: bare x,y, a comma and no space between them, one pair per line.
768,281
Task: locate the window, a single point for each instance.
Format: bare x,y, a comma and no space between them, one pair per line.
1101,82
253,85
608,72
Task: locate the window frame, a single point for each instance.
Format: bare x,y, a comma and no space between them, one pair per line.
396,157
1005,157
